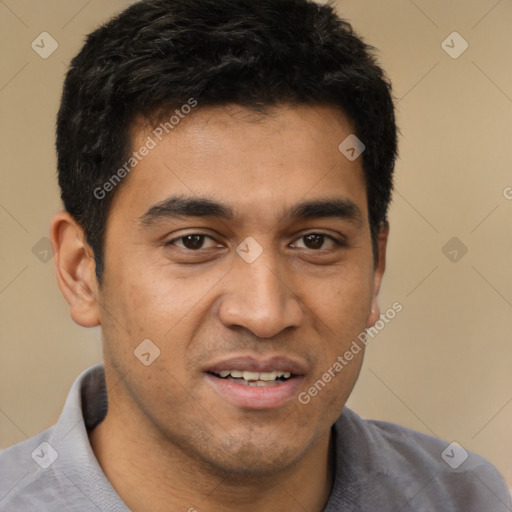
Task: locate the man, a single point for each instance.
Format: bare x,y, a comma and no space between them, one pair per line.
226,168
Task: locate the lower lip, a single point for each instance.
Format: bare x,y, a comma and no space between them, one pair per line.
255,397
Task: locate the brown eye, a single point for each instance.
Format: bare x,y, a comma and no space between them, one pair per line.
317,241
192,242
313,241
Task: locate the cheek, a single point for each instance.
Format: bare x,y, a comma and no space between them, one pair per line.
343,302
324,396
147,300
341,311
152,303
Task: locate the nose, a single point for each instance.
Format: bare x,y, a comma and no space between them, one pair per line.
260,300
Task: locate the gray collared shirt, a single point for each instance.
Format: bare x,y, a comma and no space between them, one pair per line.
380,467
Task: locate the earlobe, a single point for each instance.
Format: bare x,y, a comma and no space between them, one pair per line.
380,267
74,264
374,312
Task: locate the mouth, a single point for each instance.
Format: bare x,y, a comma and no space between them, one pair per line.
251,383
255,379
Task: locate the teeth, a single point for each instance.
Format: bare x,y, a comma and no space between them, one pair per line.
256,383
251,376
255,376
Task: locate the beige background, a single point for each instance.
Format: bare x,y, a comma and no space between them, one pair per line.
442,366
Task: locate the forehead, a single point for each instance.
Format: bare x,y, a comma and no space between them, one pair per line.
250,161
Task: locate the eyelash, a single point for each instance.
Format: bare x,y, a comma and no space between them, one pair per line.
170,243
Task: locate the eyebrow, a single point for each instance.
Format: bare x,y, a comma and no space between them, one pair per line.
340,208
177,207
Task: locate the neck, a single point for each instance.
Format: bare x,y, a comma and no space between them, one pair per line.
153,474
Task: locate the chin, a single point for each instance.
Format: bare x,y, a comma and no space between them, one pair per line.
255,459
254,468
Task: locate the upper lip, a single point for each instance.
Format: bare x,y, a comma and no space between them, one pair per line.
259,364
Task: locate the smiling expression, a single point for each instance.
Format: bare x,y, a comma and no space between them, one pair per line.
240,246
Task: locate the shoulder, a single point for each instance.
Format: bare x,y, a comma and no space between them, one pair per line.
418,470
403,448
57,469
22,472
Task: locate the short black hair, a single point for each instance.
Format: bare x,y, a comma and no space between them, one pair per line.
159,55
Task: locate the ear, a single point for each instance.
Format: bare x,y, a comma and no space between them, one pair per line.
378,273
74,263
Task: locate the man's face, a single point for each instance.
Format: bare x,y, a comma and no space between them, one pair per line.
191,285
